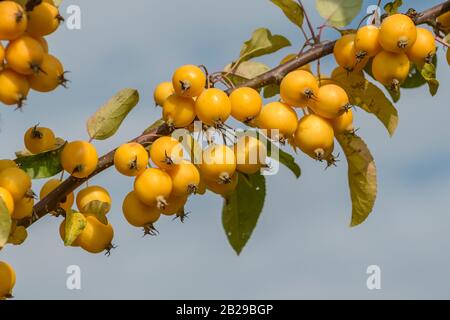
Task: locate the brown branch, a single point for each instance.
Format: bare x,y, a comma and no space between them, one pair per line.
50,203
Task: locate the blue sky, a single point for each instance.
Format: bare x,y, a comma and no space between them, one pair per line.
302,246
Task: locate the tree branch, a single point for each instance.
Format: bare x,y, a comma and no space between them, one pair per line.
50,203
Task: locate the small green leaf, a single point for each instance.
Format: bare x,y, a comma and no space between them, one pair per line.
368,97
261,43
428,72
154,126
271,90
18,236
392,7
339,13
292,10
242,209
285,159
362,175
41,166
248,69
5,224
75,224
107,120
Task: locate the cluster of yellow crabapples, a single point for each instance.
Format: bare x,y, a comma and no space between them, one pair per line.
25,61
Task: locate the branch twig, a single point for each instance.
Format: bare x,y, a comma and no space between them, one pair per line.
50,203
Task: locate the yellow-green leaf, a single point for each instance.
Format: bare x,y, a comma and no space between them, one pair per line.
368,97
393,6
5,224
75,224
428,72
248,69
292,10
18,236
362,176
99,209
154,126
339,13
261,43
107,120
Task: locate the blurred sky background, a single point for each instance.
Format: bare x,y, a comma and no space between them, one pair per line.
302,247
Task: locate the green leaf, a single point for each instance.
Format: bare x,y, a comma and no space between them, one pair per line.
242,209
368,97
41,166
271,90
5,224
285,159
154,126
261,43
339,13
392,7
75,224
428,72
18,236
292,10
107,120
362,176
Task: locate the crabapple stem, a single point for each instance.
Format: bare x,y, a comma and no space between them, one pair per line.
317,51
443,42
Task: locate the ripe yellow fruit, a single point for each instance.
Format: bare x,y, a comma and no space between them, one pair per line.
174,205
424,49
25,55
185,178
218,163
153,187
165,152
279,119
65,203
343,123
6,163
14,88
397,33
189,81
8,200
90,194
51,77
391,69
346,56
367,42
131,159
96,237
13,20
246,104
444,21
23,208
223,189
314,136
62,234
79,158
251,154
43,20
179,112
7,279
16,181
332,101
38,140
163,91
298,88
213,107
42,42
292,56
137,213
